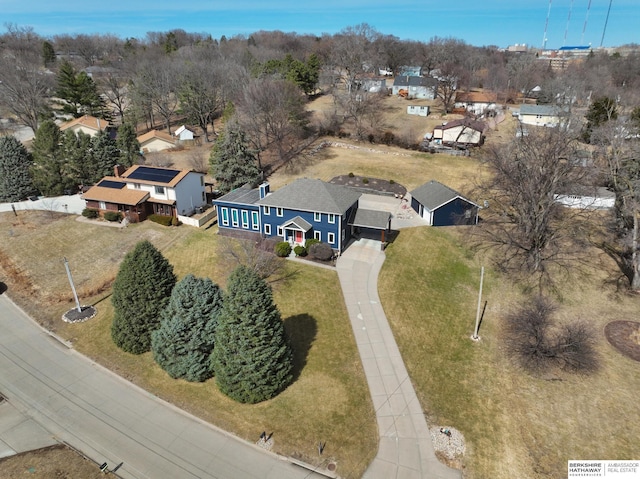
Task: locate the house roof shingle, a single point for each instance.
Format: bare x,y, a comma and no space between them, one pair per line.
87,121
469,123
545,110
433,194
155,134
123,196
373,219
415,81
312,195
245,195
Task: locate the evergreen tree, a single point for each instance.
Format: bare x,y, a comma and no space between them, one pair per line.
252,360
128,145
76,149
141,292
48,53
232,163
104,156
15,179
183,344
80,93
50,172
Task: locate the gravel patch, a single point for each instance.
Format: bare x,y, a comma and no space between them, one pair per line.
449,445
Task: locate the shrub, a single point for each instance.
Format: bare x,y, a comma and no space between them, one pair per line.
112,216
351,175
541,347
387,138
321,251
161,219
365,180
283,249
371,137
175,221
309,242
391,182
300,250
90,213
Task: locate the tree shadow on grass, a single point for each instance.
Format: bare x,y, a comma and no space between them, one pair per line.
3,287
301,330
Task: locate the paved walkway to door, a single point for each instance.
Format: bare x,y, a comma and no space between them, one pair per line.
405,450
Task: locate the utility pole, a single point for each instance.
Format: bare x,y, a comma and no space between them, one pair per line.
475,336
73,288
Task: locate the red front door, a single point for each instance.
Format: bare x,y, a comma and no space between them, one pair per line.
298,237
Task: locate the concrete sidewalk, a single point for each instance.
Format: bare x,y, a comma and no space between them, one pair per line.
405,450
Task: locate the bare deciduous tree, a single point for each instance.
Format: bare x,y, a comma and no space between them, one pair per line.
25,88
527,227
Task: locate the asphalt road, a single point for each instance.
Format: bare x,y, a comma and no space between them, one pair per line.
76,401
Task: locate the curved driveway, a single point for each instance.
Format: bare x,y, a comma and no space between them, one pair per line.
405,450
109,419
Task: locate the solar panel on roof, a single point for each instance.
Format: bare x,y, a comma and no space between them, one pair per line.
147,173
116,185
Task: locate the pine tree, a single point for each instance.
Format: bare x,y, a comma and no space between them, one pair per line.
232,163
76,149
128,145
80,93
104,156
50,169
15,179
141,292
183,344
252,360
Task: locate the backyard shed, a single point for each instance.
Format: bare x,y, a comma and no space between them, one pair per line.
442,206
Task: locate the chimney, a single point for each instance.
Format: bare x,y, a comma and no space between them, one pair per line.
264,189
118,170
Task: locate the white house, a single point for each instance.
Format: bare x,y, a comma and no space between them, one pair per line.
155,140
415,87
87,124
143,190
541,115
460,132
418,110
475,102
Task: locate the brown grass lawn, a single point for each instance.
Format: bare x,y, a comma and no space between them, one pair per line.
515,425
329,399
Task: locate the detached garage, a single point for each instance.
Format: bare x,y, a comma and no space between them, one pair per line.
439,205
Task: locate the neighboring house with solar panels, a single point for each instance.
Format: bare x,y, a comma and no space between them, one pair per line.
301,210
143,190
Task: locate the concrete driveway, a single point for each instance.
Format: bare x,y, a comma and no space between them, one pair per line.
71,204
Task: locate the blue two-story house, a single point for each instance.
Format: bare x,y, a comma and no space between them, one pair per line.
301,210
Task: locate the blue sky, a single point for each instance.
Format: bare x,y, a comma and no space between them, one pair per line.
478,22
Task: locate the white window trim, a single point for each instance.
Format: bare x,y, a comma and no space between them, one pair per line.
244,216
234,218
280,212
280,231
266,210
160,190
331,238
317,235
255,220
317,216
332,218
267,229
224,215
